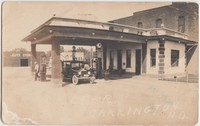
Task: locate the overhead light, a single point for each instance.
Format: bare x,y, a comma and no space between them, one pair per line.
122,36
34,38
93,33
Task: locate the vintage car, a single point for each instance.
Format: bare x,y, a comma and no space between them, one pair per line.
76,71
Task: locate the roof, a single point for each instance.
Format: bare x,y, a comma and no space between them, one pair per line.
69,20
65,28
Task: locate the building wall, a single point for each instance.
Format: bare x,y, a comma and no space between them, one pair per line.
192,18
169,15
14,59
123,47
152,45
181,67
169,45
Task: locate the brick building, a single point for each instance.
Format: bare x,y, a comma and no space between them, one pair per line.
180,17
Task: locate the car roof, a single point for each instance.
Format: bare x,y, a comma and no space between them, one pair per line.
74,61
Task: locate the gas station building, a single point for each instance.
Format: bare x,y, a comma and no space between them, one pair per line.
154,51
122,48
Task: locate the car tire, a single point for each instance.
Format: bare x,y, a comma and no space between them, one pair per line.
75,79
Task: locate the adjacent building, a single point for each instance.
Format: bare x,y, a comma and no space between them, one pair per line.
16,58
177,19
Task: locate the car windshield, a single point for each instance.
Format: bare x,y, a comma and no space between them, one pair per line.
66,65
75,65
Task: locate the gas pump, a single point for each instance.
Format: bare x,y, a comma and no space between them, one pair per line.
42,68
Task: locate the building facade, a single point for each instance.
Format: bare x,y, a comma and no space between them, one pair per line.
179,17
16,58
160,41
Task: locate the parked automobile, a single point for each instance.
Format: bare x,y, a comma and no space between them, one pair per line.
75,71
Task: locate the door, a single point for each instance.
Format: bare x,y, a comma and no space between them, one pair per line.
23,62
138,62
119,59
111,59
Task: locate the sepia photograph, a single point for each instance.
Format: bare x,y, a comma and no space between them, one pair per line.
100,63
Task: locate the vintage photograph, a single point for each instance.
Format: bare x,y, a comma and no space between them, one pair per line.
100,63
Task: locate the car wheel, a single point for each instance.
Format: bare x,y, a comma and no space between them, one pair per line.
75,79
92,80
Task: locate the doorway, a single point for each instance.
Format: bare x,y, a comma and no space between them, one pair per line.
119,59
138,62
23,62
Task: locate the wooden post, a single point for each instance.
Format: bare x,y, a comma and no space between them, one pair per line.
33,57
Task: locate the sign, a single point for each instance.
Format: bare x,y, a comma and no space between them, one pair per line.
99,45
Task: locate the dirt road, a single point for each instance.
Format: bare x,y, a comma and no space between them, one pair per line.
138,100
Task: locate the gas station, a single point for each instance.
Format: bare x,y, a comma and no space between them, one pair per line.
62,31
119,47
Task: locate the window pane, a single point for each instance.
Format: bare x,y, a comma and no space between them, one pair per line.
153,57
181,24
158,23
174,58
75,65
140,25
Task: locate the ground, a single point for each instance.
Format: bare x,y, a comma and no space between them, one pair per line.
139,100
